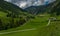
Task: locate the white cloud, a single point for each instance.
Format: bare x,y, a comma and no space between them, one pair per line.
8,0
37,3
27,3
22,5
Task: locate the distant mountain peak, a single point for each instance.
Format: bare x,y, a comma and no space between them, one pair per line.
27,3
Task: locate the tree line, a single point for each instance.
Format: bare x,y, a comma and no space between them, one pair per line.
13,20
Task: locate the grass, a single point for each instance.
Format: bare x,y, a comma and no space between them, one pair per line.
26,33
41,29
52,30
33,23
2,14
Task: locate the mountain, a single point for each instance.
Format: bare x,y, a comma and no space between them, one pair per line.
49,8
38,9
55,8
8,7
33,8
12,16
27,3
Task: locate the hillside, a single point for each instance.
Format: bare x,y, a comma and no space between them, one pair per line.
11,16
38,9
17,22
49,8
54,8
6,6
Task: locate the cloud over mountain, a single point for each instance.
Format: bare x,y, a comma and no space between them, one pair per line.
26,3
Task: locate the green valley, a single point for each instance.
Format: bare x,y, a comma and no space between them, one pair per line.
15,21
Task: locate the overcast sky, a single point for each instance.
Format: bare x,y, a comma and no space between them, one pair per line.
27,3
